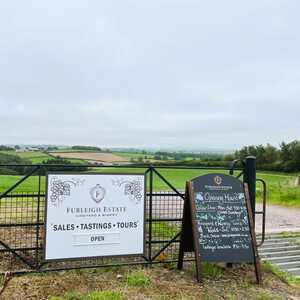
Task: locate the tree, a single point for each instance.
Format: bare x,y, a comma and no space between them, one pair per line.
268,157
11,159
229,157
290,156
6,148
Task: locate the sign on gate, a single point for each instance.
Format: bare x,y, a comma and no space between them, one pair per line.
217,214
94,215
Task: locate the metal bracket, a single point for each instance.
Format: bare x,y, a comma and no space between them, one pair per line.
232,165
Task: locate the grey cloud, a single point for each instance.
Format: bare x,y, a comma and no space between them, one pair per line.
149,73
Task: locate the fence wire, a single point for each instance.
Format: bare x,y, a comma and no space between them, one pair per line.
22,220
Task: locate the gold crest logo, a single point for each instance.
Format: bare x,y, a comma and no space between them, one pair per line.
97,193
218,180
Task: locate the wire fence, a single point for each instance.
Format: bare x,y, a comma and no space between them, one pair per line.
22,220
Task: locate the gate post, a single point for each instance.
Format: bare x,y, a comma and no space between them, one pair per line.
250,178
150,216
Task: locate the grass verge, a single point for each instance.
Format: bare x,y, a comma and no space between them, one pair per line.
296,235
157,283
284,276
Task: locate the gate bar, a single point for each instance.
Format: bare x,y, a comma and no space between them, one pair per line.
150,215
168,183
19,182
17,255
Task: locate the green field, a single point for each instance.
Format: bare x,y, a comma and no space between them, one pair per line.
37,157
280,189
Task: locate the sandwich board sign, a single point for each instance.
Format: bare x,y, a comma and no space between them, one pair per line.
218,222
94,215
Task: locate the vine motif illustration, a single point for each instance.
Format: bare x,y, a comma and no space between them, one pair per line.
133,189
60,190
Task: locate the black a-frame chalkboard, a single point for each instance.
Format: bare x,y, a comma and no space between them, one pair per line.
218,223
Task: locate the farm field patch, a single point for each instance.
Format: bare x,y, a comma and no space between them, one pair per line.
38,157
90,156
132,154
35,157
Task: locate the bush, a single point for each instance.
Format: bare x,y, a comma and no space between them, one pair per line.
6,148
86,148
11,159
7,171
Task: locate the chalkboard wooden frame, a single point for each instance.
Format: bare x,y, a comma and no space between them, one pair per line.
256,258
189,226
195,231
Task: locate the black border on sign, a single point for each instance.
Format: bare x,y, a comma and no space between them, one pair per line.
44,260
191,205
191,199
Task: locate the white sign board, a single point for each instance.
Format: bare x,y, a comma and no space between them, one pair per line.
94,215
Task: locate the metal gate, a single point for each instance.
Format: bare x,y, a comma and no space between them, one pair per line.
22,219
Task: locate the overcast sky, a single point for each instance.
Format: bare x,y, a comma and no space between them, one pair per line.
159,73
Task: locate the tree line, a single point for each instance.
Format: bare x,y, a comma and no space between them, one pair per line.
14,165
286,158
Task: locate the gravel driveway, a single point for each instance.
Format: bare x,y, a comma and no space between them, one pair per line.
279,218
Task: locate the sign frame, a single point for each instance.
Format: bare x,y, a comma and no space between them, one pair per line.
189,225
44,260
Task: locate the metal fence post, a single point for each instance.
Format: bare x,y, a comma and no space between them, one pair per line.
37,223
250,178
150,216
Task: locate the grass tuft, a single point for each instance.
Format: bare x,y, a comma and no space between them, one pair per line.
212,271
138,279
282,275
289,234
266,296
105,295
164,230
295,235
97,295
69,296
